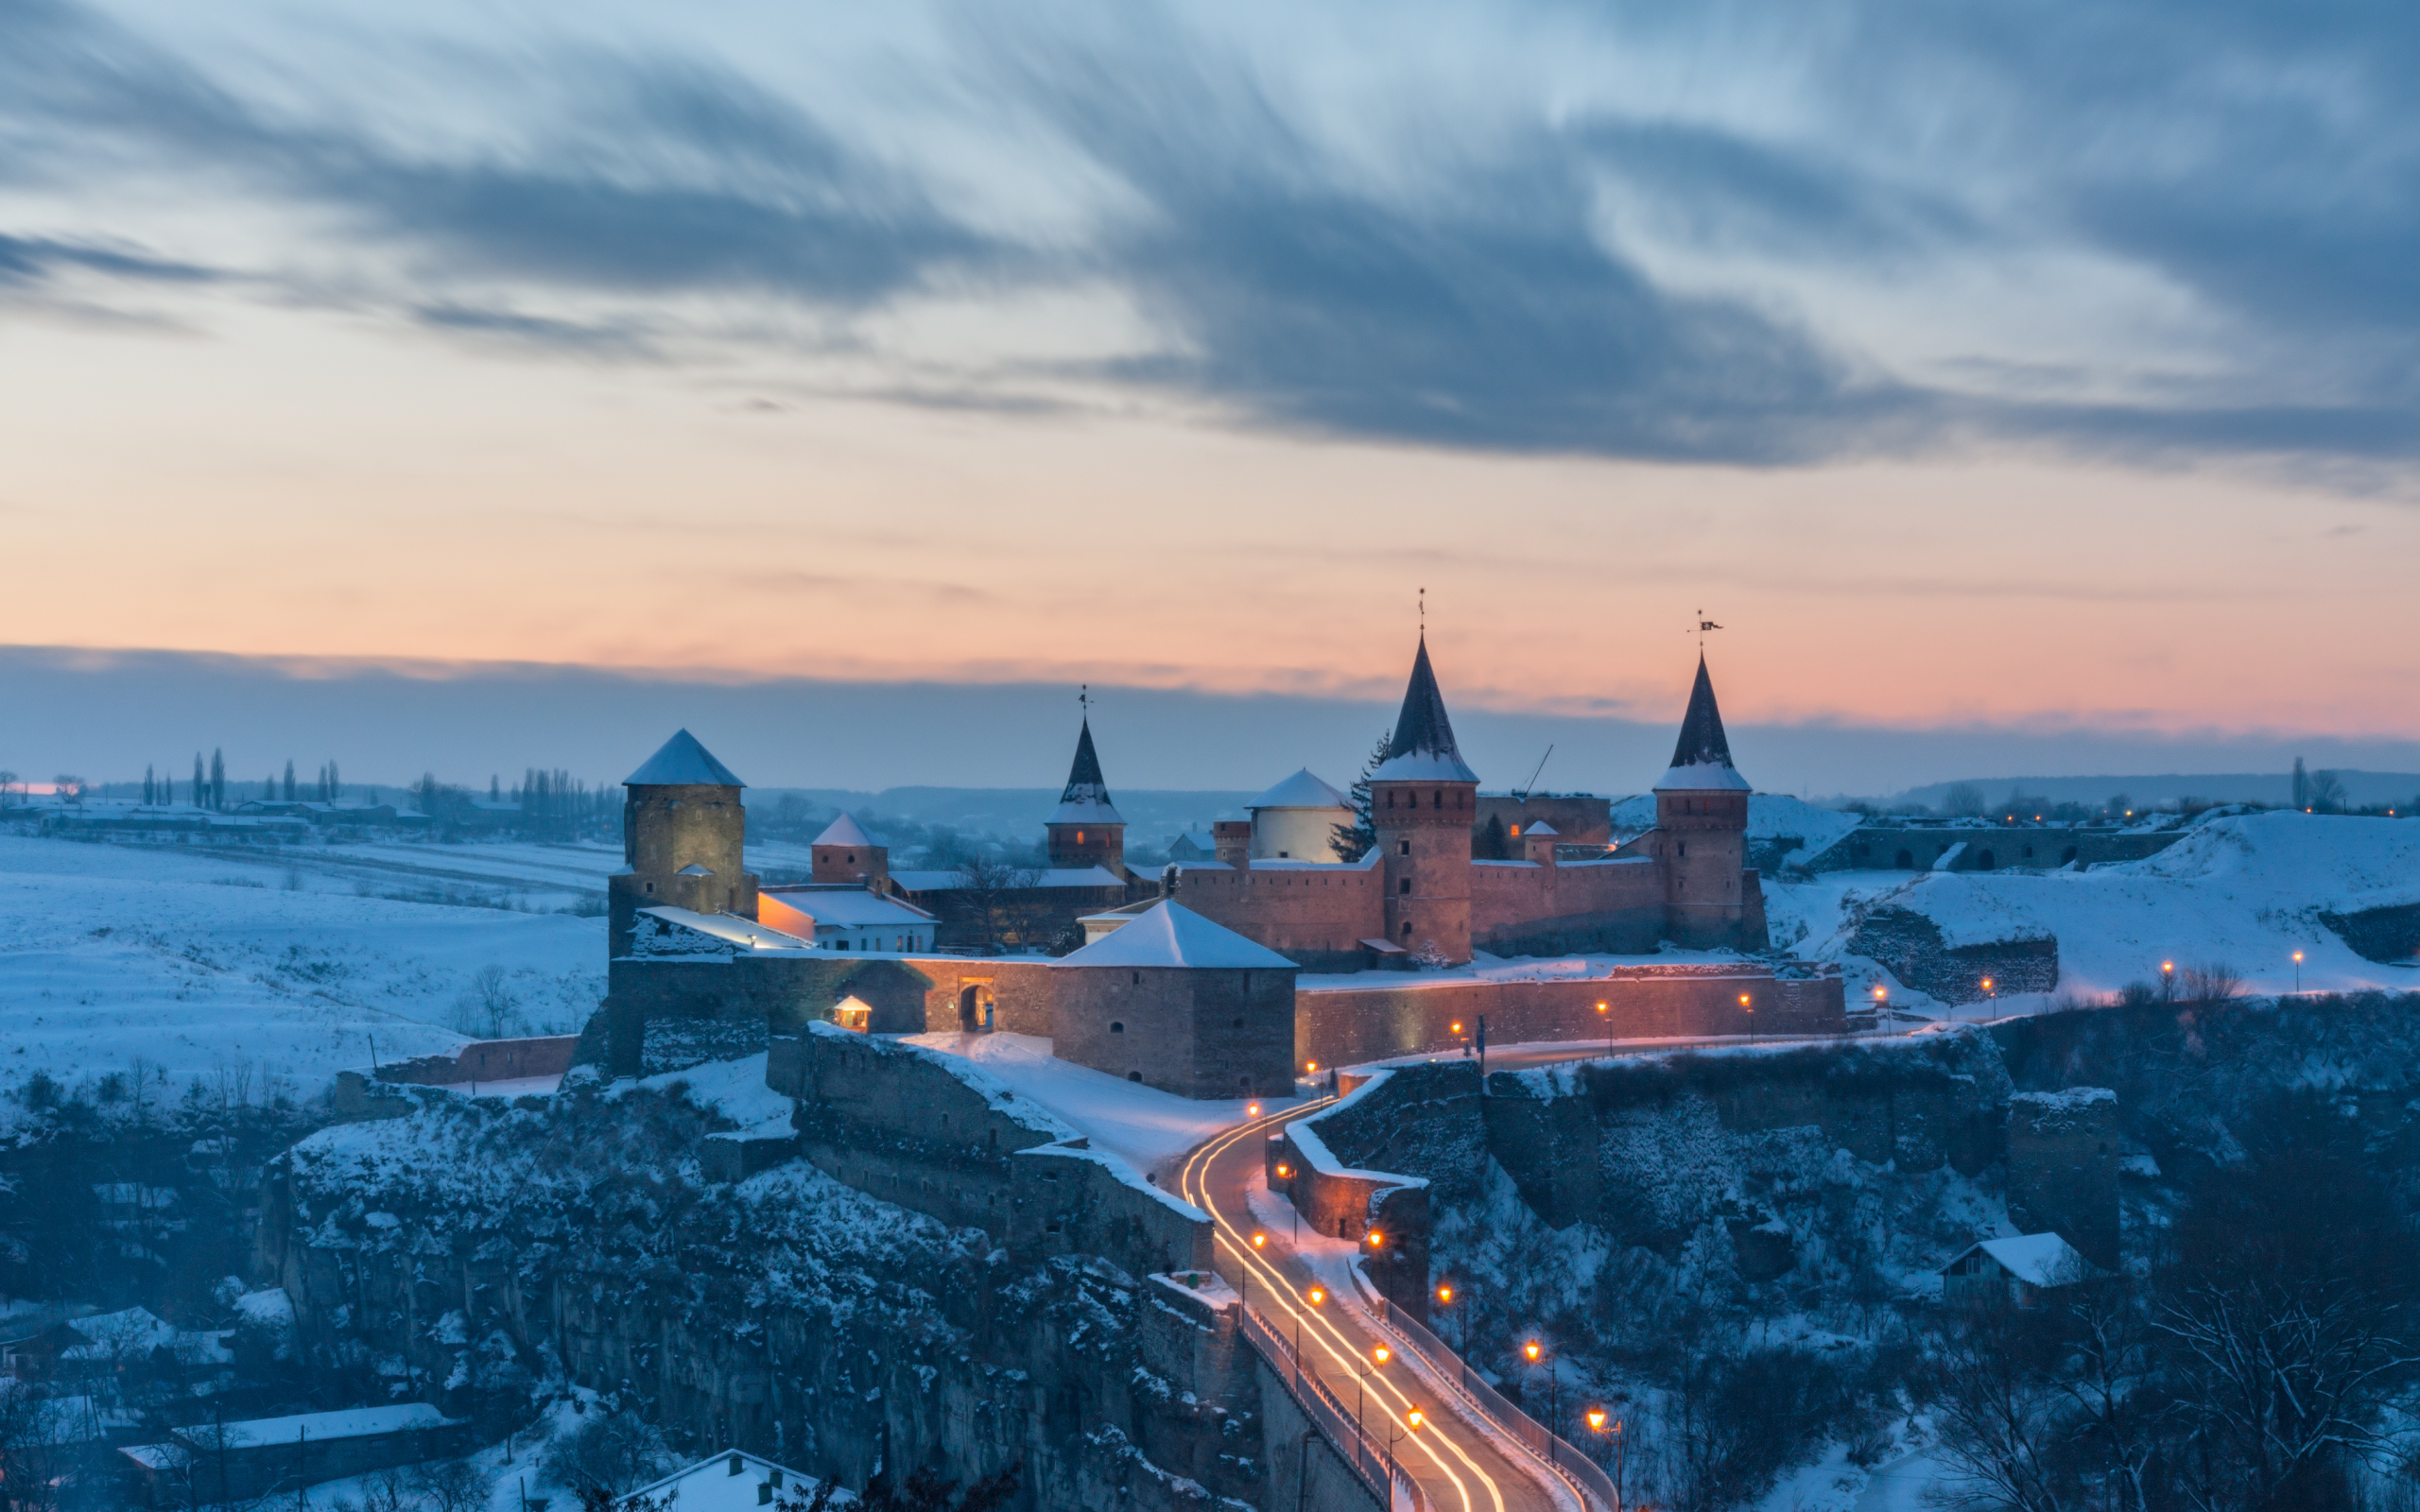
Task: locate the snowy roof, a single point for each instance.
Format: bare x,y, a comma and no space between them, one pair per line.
727,1483
1173,935
1304,790
319,1427
1054,877
2038,1260
1422,748
844,830
682,762
695,869
1086,799
1701,757
135,1329
1542,826
850,907
729,927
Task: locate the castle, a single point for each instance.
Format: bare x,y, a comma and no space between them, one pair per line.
1418,891
1191,984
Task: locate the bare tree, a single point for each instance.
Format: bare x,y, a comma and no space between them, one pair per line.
2210,981
2290,1312
452,1486
1965,798
984,884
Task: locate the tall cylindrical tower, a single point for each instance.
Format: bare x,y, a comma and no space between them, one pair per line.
1422,798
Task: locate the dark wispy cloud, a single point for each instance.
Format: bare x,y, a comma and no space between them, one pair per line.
2256,161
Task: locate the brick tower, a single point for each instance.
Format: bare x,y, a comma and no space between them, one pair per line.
1702,810
1422,797
683,827
1086,830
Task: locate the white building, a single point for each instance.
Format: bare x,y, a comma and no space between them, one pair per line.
1296,820
844,917
730,1482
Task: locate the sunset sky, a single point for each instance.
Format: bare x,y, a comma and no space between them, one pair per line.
2005,367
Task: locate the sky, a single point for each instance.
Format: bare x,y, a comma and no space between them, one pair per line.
2004,373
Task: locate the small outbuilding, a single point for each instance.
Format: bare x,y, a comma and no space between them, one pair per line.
732,1481
1997,1272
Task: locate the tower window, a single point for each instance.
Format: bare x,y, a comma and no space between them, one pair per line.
1138,978
1080,836
853,858
1404,886
1437,798
650,886
1390,797
1115,1027
1402,848
1684,848
1133,1075
1406,929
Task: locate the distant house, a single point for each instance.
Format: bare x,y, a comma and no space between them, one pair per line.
729,1482
1996,1272
1193,845
241,1461
845,917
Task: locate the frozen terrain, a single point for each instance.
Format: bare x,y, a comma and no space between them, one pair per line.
283,962
2243,889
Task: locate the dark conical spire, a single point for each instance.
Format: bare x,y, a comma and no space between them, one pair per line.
1422,748
1701,758
1084,776
1085,800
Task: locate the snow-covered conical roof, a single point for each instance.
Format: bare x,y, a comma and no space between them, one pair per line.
1422,748
1304,790
1085,800
682,762
845,830
1701,759
1170,933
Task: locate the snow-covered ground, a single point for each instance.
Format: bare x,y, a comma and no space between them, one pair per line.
283,962
1143,1125
2243,889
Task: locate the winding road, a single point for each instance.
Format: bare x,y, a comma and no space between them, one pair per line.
1462,1463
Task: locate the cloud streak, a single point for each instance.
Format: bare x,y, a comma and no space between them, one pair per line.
1614,274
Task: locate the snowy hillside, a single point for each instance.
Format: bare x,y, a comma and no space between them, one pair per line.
284,961
1770,815
2246,890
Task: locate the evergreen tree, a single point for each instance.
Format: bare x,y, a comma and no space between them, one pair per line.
200,783
217,778
495,789
289,778
1353,841
146,784
336,784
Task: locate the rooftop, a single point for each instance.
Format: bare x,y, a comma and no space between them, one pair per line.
1422,748
1701,757
845,830
1304,790
1170,933
682,762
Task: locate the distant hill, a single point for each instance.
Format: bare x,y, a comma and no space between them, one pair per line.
2363,788
1152,816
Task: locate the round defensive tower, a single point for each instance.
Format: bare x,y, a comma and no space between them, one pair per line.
1702,808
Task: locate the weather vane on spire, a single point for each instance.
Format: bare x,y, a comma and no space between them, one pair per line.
1705,624
1084,696
1424,609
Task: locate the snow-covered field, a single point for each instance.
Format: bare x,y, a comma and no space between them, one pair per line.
2242,889
283,962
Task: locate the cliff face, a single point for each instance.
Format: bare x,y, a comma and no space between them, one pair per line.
467,1251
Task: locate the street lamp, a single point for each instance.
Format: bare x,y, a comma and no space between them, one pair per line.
1751,1012
1445,1299
2166,979
1252,1109
1881,1005
2298,973
1603,1012
1380,1355
1259,1241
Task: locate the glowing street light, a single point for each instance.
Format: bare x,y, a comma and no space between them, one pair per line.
1530,1349
2298,973
1445,1295
1317,1295
1259,1241
1252,1109
1285,1172
2166,980
1378,1240
1596,1420
1415,1419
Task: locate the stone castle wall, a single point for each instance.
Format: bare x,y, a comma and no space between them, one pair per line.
1317,917
1341,1024
2063,1157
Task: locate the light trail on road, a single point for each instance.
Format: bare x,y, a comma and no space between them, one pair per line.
1324,1331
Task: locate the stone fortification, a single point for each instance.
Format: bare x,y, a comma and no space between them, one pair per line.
940,1136
1344,1022
1913,949
2064,1157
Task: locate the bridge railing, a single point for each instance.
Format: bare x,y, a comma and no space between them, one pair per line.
1586,1479
1373,1463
